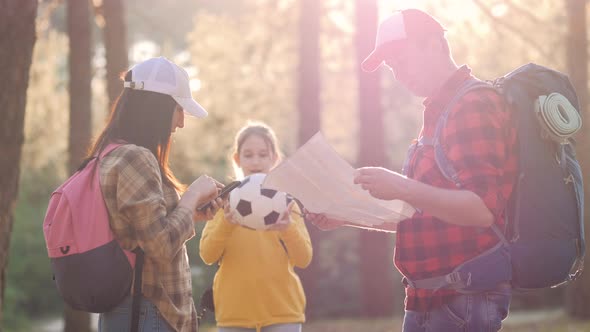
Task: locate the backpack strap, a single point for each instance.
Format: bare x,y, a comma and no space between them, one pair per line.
442,161
440,157
139,259
110,147
480,273
459,279
137,281
206,304
576,177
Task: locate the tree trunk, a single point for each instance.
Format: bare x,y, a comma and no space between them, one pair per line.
578,293
115,43
80,78
17,31
309,121
78,13
375,258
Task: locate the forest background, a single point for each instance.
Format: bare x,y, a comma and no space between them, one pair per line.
293,64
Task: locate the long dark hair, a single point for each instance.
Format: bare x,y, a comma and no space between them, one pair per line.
142,118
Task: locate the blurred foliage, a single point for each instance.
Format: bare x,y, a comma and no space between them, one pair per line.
30,288
31,291
242,57
244,71
47,113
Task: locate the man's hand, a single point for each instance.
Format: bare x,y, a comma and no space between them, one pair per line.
382,183
322,222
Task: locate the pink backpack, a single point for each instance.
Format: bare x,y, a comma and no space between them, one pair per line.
92,272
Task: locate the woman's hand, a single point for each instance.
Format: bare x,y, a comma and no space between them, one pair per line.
201,191
209,213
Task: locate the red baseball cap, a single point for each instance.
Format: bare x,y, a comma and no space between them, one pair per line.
395,30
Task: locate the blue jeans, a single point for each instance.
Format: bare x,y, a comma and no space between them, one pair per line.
119,319
477,312
271,328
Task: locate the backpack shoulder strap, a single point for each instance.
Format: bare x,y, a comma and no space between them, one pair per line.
137,282
108,149
440,157
442,161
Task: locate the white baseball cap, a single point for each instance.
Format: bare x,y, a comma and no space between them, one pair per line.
163,76
395,30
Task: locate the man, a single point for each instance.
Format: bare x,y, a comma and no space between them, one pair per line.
454,218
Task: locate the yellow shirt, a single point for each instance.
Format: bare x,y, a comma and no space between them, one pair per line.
255,285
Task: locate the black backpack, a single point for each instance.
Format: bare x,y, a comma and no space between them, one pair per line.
543,242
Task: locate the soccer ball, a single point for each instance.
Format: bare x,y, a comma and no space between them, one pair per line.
254,207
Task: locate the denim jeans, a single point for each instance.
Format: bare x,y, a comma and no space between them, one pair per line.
271,328
119,319
477,312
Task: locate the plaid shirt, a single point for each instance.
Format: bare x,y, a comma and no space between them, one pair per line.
143,213
480,142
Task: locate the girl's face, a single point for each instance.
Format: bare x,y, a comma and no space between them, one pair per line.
255,156
177,119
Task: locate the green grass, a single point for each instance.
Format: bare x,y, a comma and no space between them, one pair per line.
541,322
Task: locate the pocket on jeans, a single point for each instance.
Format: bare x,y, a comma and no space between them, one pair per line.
498,302
122,308
458,309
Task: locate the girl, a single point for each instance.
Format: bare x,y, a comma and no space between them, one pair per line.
141,194
255,288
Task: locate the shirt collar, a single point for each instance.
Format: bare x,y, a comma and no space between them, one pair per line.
434,105
448,89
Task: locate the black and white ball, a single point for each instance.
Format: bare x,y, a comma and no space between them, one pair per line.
255,207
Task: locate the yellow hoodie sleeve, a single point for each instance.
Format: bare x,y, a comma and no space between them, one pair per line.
297,240
214,238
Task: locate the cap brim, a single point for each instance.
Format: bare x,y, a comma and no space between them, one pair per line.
379,54
191,107
372,62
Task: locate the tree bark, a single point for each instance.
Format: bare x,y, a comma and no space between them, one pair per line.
309,70
375,258
80,68
17,39
115,43
578,293
308,103
80,72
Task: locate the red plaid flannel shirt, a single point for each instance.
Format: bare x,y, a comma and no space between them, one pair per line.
480,142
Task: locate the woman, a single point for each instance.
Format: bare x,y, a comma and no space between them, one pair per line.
142,194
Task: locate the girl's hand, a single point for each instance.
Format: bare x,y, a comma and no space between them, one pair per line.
284,219
229,215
